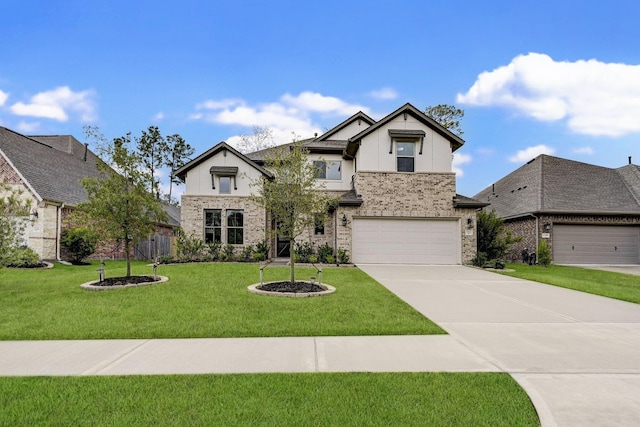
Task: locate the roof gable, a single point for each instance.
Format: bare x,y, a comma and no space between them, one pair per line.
358,117
456,141
182,172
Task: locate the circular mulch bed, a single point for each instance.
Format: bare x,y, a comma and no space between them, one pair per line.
122,282
299,289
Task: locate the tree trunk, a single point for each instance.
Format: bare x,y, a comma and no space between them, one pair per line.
126,255
291,261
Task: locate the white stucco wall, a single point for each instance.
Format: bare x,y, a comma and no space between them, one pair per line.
373,154
350,130
198,179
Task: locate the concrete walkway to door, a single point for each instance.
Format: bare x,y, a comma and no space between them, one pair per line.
577,355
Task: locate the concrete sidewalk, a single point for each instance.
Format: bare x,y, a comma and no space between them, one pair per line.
577,355
427,353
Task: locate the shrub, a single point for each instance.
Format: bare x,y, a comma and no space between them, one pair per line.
214,250
544,254
259,256
262,248
80,242
303,252
190,248
343,256
247,253
324,252
22,258
480,259
493,240
227,253
330,259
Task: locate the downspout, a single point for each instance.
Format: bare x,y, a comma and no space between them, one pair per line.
335,233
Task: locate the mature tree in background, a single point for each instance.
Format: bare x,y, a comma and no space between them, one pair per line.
120,207
493,240
260,139
448,116
152,150
13,211
293,196
177,155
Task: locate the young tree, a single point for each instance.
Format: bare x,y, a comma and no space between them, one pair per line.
13,209
152,148
260,139
120,207
493,240
448,116
293,197
177,155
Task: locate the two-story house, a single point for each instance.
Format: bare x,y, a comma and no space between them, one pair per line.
397,193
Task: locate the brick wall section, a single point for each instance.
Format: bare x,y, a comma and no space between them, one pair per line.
8,175
193,216
526,227
408,195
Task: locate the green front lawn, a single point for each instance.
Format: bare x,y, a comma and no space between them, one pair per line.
355,399
199,300
625,287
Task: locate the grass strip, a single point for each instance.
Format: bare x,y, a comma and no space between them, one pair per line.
355,399
625,287
199,300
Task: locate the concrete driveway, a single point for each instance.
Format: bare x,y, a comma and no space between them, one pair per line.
577,355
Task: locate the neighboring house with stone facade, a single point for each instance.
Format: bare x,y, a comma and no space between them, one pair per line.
588,214
47,170
397,193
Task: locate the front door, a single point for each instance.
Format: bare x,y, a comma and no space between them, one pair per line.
283,245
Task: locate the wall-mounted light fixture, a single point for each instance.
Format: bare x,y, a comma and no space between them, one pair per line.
547,226
33,215
344,220
469,222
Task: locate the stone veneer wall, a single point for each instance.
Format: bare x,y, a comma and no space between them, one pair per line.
526,227
408,195
192,217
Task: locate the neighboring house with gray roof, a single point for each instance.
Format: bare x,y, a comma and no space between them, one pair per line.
588,214
393,178
48,169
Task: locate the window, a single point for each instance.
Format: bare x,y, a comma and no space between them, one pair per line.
213,226
405,156
225,185
331,170
235,231
319,225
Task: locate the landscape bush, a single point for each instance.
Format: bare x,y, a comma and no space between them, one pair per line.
80,242
22,258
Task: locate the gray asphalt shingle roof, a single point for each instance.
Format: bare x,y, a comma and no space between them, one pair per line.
555,185
53,174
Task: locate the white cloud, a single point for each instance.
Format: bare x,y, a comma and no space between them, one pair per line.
159,116
291,114
531,153
56,104
28,127
384,93
584,150
3,97
595,98
459,159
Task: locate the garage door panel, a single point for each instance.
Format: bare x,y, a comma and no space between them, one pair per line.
596,244
405,241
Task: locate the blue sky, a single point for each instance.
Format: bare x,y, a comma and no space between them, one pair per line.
556,77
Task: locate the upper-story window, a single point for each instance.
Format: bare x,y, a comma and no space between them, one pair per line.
331,170
405,156
224,175
225,185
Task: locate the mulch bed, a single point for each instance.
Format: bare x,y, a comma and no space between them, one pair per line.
121,281
296,287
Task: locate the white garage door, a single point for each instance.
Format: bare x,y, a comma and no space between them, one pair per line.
405,241
595,244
